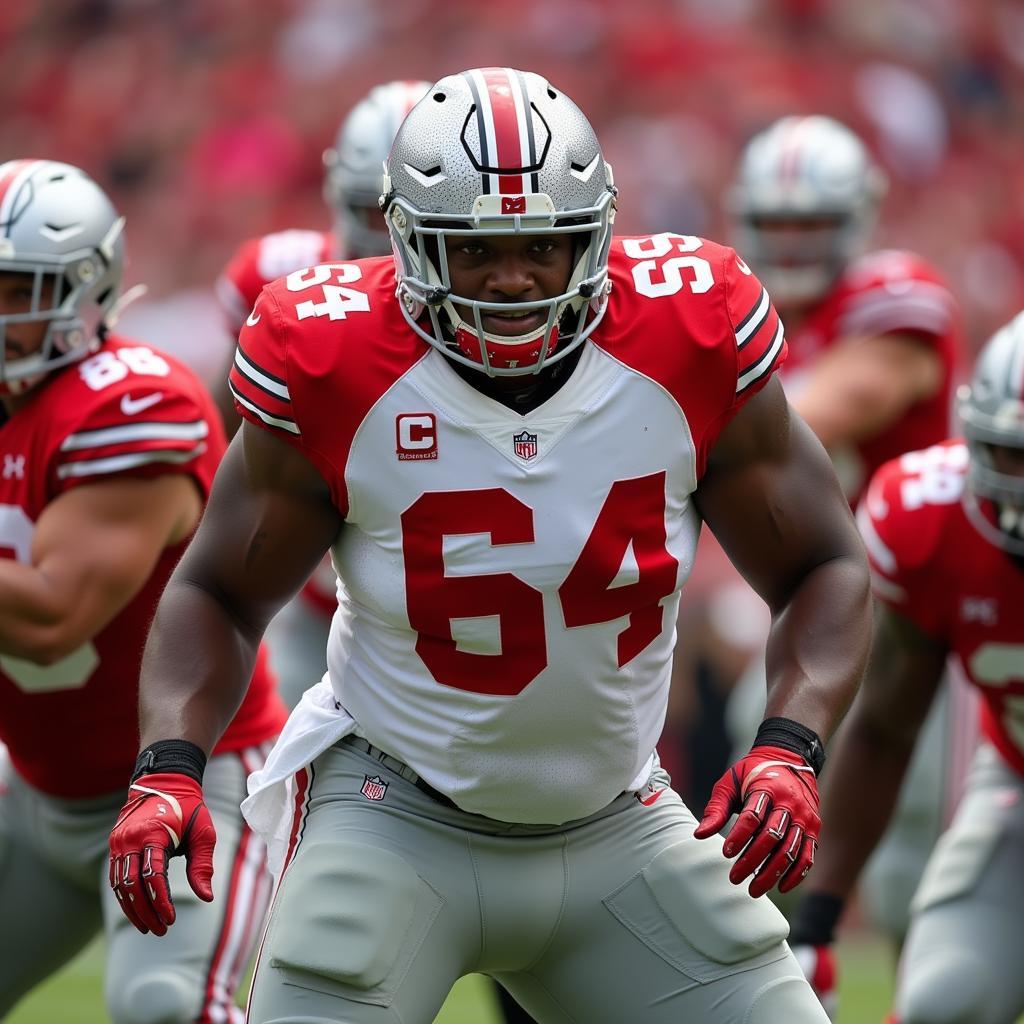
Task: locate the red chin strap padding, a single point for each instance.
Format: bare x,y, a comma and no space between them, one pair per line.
502,356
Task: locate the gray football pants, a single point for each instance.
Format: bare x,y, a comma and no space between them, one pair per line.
962,961
619,918
55,897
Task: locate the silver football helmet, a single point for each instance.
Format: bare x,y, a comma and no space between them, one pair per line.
57,225
495,151
803,204
354,165
991,412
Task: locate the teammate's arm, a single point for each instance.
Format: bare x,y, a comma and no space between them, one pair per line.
92,550
859,388
867,764
268,522
772,499
873,747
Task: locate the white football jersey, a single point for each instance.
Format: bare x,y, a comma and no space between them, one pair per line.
511,581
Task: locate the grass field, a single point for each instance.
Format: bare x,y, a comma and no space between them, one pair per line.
74,995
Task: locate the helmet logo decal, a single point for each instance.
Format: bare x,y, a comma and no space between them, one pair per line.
505,149
15,190
513,205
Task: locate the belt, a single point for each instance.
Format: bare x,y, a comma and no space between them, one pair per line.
400,768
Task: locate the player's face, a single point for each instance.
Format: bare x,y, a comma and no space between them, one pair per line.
1007,460
796,241
22,339
510,268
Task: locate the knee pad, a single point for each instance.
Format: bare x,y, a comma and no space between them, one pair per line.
952,987
154,997
788,999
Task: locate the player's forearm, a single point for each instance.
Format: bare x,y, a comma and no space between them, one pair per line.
33,615
819,643
198,662
860,787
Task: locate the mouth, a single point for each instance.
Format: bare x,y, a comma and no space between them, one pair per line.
513,324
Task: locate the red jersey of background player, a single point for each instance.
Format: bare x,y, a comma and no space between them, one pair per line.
257,262
127,410
888,292
932,565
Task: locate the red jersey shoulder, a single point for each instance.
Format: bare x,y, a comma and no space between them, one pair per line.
909,508
320,347
702,291
893,291
257,261
127,409
689,314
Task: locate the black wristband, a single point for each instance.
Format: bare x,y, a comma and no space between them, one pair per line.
790,735
814,922
171,756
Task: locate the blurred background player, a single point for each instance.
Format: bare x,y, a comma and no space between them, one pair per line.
352,186
876,339
944,528
108,452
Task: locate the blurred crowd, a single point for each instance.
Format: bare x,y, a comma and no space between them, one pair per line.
206,119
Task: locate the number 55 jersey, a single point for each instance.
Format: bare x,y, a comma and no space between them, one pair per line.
125,411
511,580
931,564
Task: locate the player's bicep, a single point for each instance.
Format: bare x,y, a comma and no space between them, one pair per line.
772,500
95,546
268,522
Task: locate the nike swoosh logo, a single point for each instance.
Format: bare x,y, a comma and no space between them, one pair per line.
253,319
648,800
130,406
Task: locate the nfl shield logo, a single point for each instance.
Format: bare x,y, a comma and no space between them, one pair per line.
525,445
374,788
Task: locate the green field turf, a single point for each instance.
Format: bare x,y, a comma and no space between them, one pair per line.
74,995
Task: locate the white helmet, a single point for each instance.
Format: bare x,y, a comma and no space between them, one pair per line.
814,175
354,166
495,151
58,225
991,412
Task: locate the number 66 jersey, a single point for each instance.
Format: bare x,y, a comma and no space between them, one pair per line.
127,410
511,580
931,564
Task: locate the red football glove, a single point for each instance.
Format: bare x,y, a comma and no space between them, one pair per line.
819,966
164,816
775,794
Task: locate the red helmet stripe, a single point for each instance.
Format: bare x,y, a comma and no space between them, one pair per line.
503,125
790,160
14,173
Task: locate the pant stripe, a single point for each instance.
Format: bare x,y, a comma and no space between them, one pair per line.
230,952
303,785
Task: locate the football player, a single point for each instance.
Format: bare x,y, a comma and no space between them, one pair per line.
108,451
943,527
352,186
874,339
510,460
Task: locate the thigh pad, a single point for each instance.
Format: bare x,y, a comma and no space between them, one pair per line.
683,907
353,915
